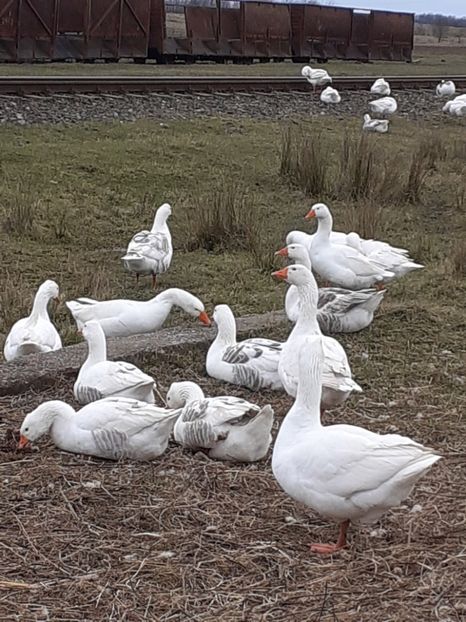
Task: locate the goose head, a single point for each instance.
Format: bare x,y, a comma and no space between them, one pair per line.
295,275
92,330
296,252
190,305
181,393
48,290
39,421
319,211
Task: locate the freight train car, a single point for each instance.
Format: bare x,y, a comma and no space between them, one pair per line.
88,30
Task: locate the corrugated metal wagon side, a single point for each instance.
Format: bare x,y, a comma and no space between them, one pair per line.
391,36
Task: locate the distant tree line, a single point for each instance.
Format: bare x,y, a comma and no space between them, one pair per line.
435,18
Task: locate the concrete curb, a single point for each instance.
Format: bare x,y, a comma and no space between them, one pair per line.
39,371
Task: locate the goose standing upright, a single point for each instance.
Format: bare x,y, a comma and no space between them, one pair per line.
99,378
36,333
229,427
316,77
343,472
338,263
252,363
338,310
337,380
150,252
380,87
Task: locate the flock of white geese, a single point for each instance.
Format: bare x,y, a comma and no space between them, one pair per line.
344,472
385,105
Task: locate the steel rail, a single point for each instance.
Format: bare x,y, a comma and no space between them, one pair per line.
28,85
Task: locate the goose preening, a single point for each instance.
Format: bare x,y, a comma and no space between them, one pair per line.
150,252
112,428
252,363
445,88
375,125
340,264
122,318
330,96
36,333
229,427
456,107
383,106
338,310
316,77
99,378
343,472
337,380
380,87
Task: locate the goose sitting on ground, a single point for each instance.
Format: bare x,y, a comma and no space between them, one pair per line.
446,88
375,125
383,106
252,363
456,107
121,318
150,252
337,380
316,77
113,428
99,378
35,333
230,427
397,263
343,472
338,310
380,87
330,96
340,264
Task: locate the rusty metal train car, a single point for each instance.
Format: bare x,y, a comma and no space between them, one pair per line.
89,30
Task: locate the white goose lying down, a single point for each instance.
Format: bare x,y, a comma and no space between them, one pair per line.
113,428
338,310
121,318
35,333
397,263
384,105
380,87
150,252
330,96
375,125
99,378
445,88
252,363
337,380
456,107
230,427
343,472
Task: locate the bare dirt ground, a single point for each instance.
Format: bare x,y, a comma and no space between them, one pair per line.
186,538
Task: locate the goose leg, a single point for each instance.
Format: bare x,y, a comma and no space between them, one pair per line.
137,278
328,549
154,281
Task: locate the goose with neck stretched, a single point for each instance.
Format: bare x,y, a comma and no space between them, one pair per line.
35,334
122,318
337,381
112,428
252,363
150,252
338,310
99,378
345,473
231,428
340,264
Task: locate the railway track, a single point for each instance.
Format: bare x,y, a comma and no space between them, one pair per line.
42,85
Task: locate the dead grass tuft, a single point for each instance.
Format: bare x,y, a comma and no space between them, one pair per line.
458,259
20,211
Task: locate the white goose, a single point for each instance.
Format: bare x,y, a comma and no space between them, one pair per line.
338,263
379,126
35,333
316,77
445,88
337,380
252,363
229,427
99,378
457,101
121,318
343,472
113,428
380,87
150,252
330,96
338,310
398,263
384,105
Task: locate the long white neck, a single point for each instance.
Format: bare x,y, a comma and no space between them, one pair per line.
160,222
189,392
324,227
39,307
304,260
97,348
50,413
307,318
226,334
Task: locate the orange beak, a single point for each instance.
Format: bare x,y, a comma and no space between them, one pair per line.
23,441
310,215
204,318
281,274
283,252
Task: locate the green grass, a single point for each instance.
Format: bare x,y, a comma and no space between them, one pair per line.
71,198
429,60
